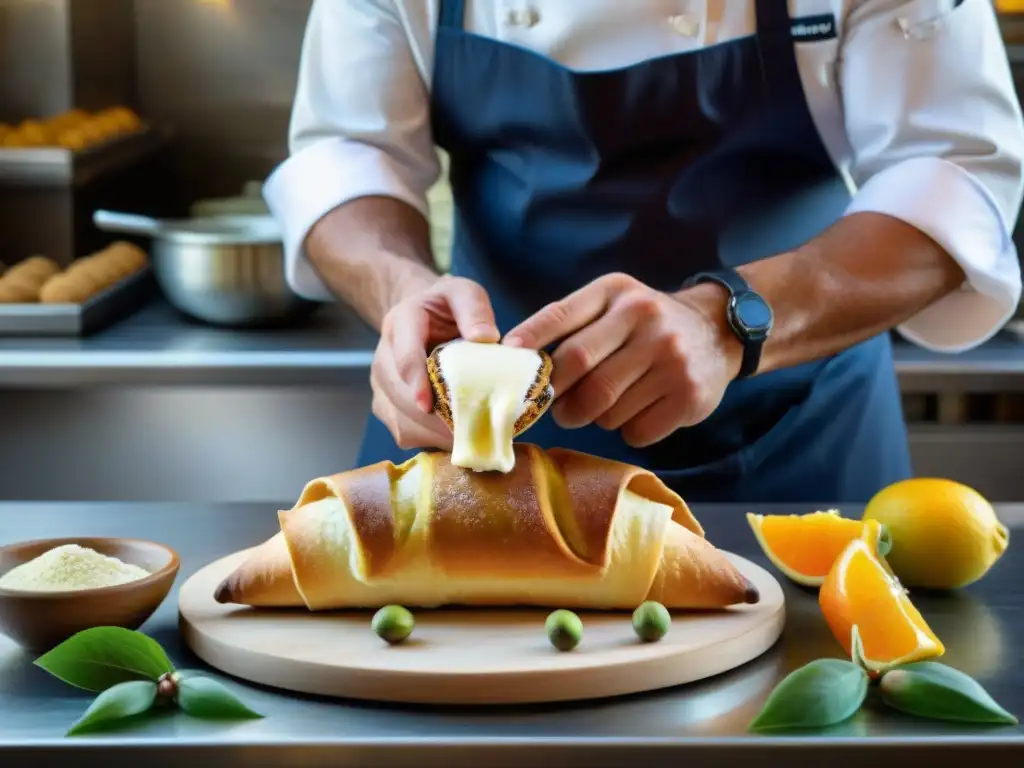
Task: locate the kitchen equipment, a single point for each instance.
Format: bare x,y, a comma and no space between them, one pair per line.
38,621
250,202
468,656
223,270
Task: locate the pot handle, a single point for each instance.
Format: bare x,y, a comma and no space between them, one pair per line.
130,223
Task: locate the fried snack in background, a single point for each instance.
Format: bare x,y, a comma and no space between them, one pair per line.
75,129
18,292
93,274
40,267
22,283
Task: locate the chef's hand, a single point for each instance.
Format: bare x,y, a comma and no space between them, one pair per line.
633,358
430,314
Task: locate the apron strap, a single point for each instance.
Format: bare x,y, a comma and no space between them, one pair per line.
452,14
778,51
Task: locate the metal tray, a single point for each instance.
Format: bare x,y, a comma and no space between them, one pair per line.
54,166
104,309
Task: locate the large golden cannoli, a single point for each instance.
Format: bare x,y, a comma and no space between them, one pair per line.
561,529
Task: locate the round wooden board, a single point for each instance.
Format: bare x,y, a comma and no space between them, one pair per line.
470,656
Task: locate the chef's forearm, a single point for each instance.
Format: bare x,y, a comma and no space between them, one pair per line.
372,252
866,274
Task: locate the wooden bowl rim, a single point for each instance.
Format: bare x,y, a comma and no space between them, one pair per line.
168,571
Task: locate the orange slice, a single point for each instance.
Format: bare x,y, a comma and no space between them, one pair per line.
862,591
804,547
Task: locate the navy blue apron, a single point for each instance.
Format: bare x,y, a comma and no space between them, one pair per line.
661,169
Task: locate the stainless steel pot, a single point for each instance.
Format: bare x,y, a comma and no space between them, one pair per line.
224,270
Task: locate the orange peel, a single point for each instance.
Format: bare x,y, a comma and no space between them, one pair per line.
804,547
869,611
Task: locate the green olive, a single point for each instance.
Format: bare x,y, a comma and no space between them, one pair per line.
392,623
651,621
564,628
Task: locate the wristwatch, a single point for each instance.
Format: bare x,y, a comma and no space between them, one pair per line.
749,315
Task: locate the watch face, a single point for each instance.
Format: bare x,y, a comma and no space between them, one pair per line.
753,313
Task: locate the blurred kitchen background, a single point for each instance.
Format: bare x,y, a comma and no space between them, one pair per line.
146,409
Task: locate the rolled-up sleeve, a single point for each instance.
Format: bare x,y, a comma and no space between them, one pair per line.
937,140
360,126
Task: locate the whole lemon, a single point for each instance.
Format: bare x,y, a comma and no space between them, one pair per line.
945,535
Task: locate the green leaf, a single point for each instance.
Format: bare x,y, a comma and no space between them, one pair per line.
116,703
207,699
933,690
820,694
98,658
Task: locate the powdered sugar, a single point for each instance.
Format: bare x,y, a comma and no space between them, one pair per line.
70,567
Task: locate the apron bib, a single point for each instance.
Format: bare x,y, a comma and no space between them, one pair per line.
662,169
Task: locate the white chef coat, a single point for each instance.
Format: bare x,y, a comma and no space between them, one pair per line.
914,101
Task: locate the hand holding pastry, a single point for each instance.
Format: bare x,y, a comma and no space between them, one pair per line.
428,314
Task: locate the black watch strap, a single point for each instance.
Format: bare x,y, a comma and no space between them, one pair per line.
747,312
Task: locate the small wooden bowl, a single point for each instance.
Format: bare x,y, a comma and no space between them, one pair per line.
39,621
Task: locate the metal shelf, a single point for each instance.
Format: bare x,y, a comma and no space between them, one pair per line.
56,167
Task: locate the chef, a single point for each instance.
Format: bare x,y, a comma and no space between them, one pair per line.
711,212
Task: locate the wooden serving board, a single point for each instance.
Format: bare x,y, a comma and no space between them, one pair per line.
470,656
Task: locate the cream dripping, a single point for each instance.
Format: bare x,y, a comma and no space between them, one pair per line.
488,387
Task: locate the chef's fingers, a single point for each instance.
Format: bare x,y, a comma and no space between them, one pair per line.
409,426
470,307
405,333
592,374
582,352
649,389
566,316
654,423
600,390
407,434
391,383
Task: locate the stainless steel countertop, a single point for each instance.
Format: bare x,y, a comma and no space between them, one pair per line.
157,346
700,724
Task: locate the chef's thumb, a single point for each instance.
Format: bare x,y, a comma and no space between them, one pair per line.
471,310
407,334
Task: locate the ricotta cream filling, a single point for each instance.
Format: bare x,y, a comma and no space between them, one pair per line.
487,387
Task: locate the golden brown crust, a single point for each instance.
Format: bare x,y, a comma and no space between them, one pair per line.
475,514
366,492
264,579
596,484
693,573
367,495
442,403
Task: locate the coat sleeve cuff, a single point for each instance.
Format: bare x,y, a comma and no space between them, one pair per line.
313,182
947,204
